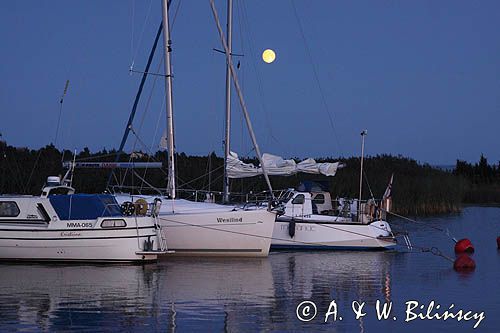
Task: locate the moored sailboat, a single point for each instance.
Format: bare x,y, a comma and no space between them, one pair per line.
206,229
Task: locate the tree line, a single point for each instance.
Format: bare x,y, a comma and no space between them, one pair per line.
418,189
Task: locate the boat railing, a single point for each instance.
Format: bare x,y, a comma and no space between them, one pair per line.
364,212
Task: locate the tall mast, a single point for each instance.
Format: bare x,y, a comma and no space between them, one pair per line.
227,138
240,97
168,96
363,134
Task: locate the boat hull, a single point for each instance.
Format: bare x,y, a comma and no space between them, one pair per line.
240,233
333,236
84,245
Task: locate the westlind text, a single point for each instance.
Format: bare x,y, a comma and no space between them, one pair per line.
307,311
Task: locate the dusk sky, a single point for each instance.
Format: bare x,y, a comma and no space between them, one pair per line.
422,76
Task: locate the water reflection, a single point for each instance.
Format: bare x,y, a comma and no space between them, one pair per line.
220,295
181,294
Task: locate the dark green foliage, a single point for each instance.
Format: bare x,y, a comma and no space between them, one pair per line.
483,181
418,189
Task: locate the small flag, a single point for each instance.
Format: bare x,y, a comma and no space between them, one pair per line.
65,91
388,190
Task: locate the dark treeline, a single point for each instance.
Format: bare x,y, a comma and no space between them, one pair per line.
418,189
483,181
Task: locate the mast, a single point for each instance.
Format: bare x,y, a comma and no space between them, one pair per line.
227,138
240,97
136,102
363,134
168,96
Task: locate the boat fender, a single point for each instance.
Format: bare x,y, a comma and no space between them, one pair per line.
156,207
464,245
464,263
291,228
498,242
141,206
127,208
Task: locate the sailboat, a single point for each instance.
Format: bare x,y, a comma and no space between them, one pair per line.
199,228
309,220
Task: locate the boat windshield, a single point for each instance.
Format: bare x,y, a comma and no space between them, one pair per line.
85,206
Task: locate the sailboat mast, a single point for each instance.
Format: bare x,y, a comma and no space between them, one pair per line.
240,97
227,138
168,96
363,134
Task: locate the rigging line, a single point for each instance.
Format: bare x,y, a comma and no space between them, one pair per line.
339,229
257,74
133,33
146,19
144,181
175,15
154,139
147,106
25,188
202,176
316,77
18,172
242,233
367,183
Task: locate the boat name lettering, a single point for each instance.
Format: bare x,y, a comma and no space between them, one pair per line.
70,234
229,220
79,225
299,227
31,216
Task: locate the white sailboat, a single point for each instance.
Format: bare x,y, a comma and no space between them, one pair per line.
62,226
309,220
207,229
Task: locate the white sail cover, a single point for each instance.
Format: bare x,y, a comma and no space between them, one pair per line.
277,166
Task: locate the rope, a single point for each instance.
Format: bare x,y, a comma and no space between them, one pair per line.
241,233
316,77
446,232
146,19
257,72
340,229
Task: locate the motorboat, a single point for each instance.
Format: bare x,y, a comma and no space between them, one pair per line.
311,222
60,225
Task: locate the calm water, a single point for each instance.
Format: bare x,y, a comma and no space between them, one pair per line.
255,295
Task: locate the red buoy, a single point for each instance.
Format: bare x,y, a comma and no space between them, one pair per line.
464,263
498,242
464,245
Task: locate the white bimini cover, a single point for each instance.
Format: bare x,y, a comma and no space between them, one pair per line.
277,166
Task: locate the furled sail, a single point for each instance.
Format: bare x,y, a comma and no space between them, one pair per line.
277,166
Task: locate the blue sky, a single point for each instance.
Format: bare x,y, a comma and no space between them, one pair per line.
422,76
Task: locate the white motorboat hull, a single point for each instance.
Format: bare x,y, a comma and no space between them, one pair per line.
335,236
74,228
87,245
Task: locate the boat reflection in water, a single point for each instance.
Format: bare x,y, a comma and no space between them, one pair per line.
188,293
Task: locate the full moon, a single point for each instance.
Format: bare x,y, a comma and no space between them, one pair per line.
268,56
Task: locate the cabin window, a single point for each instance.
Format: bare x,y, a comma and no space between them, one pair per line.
319,199
299,199
113,224
9,209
